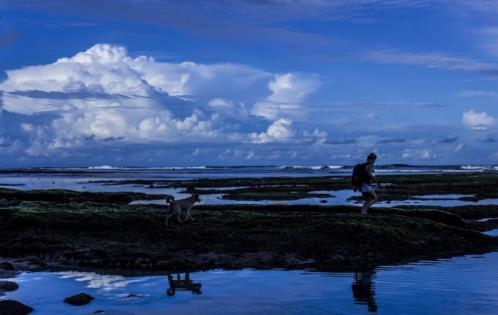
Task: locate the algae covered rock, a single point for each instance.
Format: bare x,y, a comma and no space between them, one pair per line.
6,286
11,307
79,299
7,266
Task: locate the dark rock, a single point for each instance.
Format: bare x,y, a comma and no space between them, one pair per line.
133,296
7,266
11,307
79,299
6,286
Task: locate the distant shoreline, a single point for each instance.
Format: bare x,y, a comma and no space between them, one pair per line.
284,167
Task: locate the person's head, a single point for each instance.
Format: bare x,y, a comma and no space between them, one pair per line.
371,157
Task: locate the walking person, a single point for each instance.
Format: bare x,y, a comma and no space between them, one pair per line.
363,175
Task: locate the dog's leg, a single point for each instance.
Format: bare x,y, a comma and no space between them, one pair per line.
189,213
185,214
169,209
168,214
179,218
178,210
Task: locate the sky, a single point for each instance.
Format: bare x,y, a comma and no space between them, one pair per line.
247,82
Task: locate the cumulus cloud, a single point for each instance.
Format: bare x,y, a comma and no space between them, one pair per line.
228,108
107,70
288,92
219,103
478,120
102,94
317,136
279,131
282,131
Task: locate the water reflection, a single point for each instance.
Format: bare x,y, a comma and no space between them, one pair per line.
364,290
185,284
457,286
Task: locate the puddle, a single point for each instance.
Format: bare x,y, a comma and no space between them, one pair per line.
461,285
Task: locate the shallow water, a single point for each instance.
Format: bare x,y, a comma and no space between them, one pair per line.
493,232
461,285
88,180
337,197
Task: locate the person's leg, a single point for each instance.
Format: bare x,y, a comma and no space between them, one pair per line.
366,197
369,201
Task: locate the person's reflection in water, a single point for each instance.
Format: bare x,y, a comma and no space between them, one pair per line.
364,291
180,284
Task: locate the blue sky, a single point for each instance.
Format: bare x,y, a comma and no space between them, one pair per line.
163,83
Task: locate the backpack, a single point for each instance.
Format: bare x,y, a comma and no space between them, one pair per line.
359,175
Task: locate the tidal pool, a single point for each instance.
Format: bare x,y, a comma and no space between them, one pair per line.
337,197
460,285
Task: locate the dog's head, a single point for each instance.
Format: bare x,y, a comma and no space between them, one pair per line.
196,197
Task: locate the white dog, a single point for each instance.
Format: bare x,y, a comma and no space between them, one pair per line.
182,208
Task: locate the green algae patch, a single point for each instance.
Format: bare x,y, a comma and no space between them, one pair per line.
119,236
69,196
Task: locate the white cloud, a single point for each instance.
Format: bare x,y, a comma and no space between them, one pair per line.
317,136
261,20
477,93
103,94
251,155
228,107
486,6
459,147
418,154
219,103
478,120
288,92
8,146
279,131
432,60
488,39
106,71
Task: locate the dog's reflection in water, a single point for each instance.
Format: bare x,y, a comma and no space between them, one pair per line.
185,284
